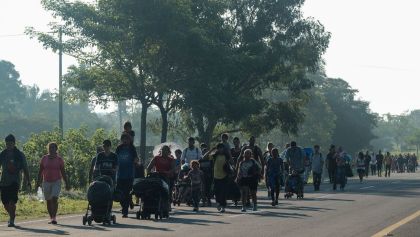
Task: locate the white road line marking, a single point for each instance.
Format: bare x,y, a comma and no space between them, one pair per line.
326,196
245,213
367,187
44,220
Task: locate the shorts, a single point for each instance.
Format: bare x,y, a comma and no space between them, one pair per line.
250,182
9,194
51,189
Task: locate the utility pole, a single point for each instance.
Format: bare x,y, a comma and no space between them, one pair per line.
60,79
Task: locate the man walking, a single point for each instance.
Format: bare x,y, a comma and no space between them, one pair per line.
331,163
317,162
191,152
379,163
12,162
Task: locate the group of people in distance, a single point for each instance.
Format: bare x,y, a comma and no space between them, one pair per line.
390,163
209,172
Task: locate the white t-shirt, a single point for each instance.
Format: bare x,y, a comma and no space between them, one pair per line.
189,155
373,159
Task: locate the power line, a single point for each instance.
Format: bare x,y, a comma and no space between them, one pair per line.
12,35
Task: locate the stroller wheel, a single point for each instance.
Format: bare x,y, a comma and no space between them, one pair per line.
84,220
89,220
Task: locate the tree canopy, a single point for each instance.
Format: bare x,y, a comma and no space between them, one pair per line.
219,57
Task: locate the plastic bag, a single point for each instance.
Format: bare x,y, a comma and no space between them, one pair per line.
40,195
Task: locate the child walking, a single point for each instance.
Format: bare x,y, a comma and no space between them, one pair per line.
196,178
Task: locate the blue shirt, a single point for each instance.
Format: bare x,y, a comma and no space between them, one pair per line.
126,156
274,166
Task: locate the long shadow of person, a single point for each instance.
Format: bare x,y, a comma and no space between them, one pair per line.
42,231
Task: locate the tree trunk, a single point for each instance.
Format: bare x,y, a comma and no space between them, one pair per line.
143,133
165,125
208,134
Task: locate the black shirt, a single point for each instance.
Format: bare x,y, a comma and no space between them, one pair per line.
105,165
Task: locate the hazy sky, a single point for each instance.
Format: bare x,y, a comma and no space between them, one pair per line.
374,46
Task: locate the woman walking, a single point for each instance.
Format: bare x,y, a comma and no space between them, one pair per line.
51,171
360,164
127,158
274,172
248,175
221,171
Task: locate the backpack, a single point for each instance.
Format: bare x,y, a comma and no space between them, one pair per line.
185,152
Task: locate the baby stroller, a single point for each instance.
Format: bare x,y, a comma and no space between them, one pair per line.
294,185
100,199
154,194
182,191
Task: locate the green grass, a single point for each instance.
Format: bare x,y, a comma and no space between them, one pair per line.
29,207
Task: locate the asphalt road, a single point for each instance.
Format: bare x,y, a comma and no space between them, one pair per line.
364,209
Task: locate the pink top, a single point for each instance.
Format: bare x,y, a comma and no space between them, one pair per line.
51,168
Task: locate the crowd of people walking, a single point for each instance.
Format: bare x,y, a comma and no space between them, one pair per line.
197,174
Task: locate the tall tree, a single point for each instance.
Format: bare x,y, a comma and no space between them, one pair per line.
220,56
12,91
355,121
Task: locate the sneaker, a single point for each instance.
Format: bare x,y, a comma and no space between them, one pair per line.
255,207
273,203
243,209
11,224
276,202
54,222
195,209
219,208
222,210
125,216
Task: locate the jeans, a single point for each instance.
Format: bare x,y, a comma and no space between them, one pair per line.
220,186
367,170
317,180
379,168
373,170
125,186
306,174
387,170
196,194
340,177
331,174
274,181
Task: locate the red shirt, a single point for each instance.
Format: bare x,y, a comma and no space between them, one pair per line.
163,165
51,168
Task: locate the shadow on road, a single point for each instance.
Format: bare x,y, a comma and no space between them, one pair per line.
314,209
280,214
202,222
190,213
41,231
329,199
138,226
82,227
